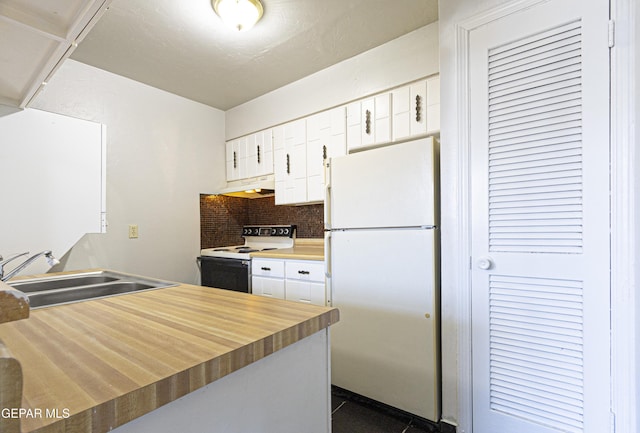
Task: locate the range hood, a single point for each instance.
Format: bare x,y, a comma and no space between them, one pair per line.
254,187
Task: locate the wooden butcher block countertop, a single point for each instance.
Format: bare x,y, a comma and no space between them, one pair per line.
304,249
107,361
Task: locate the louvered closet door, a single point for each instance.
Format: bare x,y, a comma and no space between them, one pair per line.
540,243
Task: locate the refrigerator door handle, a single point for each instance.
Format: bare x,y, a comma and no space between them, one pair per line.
327,268
327,197
327,254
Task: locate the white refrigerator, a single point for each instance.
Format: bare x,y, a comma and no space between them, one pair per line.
381,242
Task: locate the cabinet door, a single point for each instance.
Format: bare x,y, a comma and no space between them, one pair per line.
411,109
232,157
325,138
242,157
251,154
269,287
354,121
236,156
264,152
279,164
401,113
382,127
305,291
291,163
433,105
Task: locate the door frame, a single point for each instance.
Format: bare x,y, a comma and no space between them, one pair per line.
624,170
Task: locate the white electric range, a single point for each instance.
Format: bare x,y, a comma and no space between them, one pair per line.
230,267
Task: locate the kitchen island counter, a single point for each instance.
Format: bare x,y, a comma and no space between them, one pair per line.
98,364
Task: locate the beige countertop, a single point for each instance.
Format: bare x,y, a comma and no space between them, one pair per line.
108,361
303,249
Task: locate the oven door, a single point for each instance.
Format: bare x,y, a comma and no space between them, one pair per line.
230,274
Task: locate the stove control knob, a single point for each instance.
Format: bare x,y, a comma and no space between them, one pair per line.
273,231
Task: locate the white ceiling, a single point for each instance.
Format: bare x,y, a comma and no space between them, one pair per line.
182,47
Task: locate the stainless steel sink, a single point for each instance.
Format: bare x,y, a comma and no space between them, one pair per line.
62,289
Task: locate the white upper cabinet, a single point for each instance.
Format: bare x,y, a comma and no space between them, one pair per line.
259,153
433,105
416,109
326,138
250,156
369,122
233,160
290,163
297,151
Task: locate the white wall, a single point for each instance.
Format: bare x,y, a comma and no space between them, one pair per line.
407,58
162,151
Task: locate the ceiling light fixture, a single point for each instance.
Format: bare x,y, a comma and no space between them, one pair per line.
239,14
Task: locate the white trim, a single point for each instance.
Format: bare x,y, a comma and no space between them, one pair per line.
465,354
624,329
465,377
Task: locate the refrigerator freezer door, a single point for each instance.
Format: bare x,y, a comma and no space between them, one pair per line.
390,186
385,346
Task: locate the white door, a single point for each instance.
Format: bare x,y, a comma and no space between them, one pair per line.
540,246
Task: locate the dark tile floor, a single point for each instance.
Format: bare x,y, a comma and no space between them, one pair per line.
354,414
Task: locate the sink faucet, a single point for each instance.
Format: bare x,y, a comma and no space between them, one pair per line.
50,259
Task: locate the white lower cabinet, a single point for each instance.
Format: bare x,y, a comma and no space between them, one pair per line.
294,280
304,281
267,277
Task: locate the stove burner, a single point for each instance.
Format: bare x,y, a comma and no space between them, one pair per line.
246,250
221,249
268,249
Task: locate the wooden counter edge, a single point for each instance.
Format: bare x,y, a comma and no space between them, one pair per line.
106,416
10,390
14,305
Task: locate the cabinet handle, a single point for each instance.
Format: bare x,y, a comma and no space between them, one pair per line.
324,152
301,272
288,164
235,160
258,149
418,108
264,268
367,122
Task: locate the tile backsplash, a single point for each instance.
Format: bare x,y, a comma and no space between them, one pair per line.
222,218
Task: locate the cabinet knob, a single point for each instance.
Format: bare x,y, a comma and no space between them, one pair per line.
324,152
258,151
288,164
418,108
301,272
235,160
264,268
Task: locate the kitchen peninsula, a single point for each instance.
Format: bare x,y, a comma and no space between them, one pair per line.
184,358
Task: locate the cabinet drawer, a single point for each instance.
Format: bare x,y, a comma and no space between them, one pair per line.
305,270
267,268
